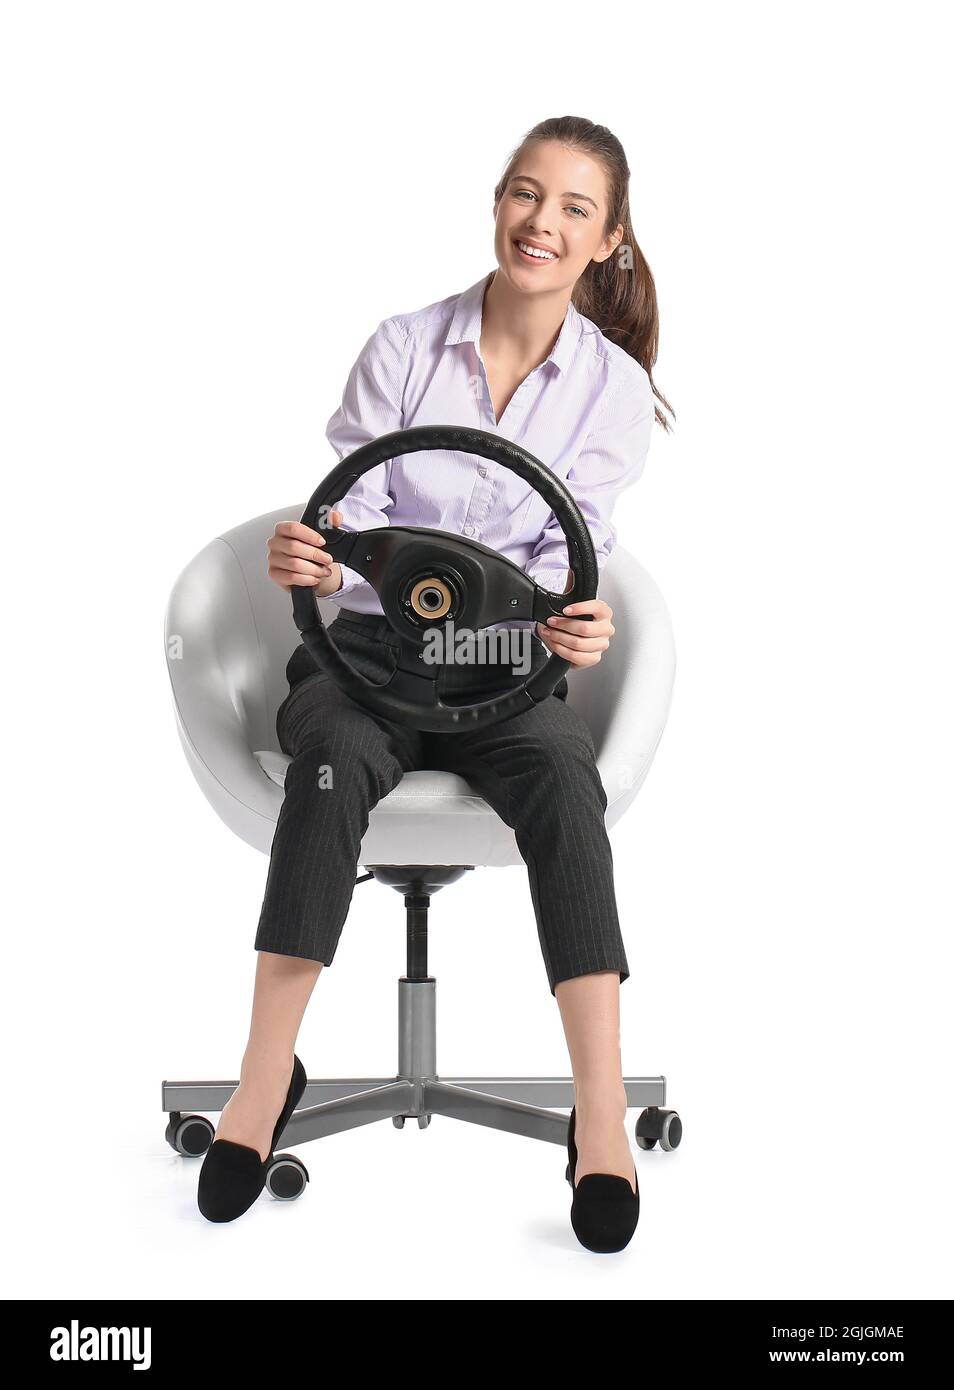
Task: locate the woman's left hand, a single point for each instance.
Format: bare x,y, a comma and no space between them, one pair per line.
582,643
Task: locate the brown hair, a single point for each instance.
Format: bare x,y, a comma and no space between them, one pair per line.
618,294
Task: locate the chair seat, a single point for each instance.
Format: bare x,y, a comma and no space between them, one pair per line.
415,792
439,809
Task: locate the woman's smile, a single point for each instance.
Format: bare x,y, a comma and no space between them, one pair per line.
533,253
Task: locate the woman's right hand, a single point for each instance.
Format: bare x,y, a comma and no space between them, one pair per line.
296,555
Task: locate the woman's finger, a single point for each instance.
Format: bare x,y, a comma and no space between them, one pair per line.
585,628
574,655
282,546
296,564
589,643
293,530
286,579
597,606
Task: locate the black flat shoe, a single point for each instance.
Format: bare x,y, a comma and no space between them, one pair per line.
605,1208
233,1175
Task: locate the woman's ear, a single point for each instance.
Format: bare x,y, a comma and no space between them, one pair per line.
612,241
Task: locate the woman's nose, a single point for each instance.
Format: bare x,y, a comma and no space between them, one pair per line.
541,223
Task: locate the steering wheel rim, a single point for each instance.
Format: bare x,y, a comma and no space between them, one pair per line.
388,547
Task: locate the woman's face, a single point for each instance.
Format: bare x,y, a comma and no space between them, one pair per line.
555,200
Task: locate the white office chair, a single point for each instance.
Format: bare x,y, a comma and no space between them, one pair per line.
229,633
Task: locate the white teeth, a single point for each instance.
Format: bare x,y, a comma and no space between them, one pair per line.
535,251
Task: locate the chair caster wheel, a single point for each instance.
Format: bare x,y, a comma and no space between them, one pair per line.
190,1135
398,1121
664,1125
286,1177
423,1121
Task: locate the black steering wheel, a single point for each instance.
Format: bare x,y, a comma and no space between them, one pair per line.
425,577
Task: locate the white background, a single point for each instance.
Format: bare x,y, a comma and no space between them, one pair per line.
208,208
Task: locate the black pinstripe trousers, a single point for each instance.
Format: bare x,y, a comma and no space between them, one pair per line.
536,769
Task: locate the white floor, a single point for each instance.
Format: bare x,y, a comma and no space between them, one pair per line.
813,1164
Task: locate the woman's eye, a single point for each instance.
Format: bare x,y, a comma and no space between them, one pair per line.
520,192
579,210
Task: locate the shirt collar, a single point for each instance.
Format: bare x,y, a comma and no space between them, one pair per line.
468,315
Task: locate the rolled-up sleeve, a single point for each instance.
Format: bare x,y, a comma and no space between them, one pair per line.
372,405
612,459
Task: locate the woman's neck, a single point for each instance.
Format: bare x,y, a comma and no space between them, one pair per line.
518,327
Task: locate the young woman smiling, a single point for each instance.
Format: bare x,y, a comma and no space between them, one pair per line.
554,351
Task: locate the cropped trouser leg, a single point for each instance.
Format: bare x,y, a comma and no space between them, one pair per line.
538,771
344,761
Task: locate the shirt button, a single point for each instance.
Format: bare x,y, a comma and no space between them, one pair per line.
468,530
482,472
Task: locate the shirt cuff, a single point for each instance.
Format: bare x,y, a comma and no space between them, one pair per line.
350,579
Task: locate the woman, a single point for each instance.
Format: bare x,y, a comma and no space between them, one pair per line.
553,351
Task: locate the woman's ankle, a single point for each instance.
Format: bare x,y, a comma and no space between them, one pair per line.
266,1064
600,1101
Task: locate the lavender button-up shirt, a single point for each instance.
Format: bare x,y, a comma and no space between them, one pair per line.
587,412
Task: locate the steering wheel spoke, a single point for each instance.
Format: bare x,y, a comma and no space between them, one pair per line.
547,604
414,679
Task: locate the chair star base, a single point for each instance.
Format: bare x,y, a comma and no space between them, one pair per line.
515,1104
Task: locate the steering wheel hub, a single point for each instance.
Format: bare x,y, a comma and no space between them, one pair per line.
432,598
